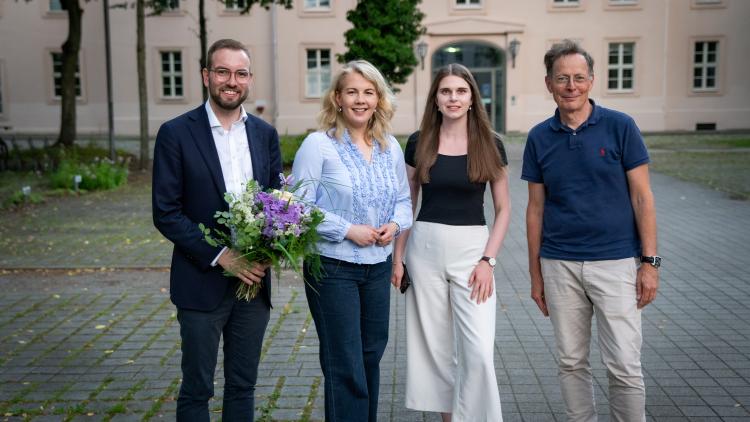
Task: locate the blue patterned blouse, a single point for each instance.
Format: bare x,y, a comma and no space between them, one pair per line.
350,190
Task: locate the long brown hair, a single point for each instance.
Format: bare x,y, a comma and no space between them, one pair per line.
484,162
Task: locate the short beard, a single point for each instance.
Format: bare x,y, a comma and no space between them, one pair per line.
227,106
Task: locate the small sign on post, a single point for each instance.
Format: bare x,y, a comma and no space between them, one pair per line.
76,181
26,190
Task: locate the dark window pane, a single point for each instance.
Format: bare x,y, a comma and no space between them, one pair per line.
627,84
696,83
612,84
710,72
698,72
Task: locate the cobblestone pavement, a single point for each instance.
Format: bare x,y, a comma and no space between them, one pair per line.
102,344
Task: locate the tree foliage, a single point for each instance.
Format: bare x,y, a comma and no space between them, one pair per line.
384,33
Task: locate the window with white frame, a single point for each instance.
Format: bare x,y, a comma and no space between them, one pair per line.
705,63
317,4
318,72
55,6
620,66
235,5
57,76
468,3
171,74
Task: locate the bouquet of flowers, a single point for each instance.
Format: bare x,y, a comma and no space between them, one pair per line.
271,226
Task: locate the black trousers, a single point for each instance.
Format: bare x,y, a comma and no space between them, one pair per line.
242,325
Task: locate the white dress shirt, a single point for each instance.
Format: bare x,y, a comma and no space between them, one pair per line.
233,150
234,154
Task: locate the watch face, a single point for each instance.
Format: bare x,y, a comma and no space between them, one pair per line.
492,262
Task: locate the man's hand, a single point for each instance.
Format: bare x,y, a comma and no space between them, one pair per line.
537,293
646,284
363,235
387,232
236,264
481,283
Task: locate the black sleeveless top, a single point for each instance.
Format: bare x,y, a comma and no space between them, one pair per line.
449,197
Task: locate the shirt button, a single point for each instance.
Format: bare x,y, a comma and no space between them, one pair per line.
574,134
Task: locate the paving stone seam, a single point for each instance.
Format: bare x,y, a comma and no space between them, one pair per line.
270,335
36,337
138,326
106,328
53,347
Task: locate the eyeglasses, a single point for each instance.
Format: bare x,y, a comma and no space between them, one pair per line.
223,74
564,80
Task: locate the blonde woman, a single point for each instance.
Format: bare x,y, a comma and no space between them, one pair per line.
450,253
355,173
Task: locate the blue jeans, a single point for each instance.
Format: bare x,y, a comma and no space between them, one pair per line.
350,305
243,325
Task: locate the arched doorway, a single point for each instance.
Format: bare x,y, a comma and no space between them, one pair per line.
487,64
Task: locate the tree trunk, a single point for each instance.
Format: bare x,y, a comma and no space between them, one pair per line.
142,87
204,40
70,50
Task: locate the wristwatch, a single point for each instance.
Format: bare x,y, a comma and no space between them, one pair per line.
655,260
490,260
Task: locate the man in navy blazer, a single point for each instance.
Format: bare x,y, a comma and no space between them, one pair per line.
200,155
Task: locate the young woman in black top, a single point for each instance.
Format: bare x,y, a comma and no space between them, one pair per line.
450,253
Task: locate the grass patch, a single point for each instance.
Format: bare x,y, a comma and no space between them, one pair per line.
49,171
698,141
724,171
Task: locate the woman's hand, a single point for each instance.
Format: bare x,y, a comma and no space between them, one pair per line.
386,233
397,274
363,235
481,282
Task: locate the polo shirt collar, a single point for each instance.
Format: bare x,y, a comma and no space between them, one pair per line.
557,125
213,121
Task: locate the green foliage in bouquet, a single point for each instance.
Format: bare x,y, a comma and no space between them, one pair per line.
272,226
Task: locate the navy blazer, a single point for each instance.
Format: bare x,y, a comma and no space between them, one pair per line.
188,189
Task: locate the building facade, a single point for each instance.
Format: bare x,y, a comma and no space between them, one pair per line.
674,65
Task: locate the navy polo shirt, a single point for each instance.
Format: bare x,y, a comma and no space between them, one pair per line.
587,211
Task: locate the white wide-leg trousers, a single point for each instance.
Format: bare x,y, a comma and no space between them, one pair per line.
449,337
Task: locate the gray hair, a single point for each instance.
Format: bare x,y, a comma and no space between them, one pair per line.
566,47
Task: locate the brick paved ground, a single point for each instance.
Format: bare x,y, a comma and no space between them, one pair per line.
85,344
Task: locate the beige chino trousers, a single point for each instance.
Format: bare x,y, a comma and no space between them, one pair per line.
576,291
450,339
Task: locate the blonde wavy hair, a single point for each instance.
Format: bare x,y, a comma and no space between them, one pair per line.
331,121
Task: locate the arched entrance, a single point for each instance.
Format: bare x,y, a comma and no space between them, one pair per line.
487,64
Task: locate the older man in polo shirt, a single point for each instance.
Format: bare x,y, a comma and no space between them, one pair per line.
591,230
